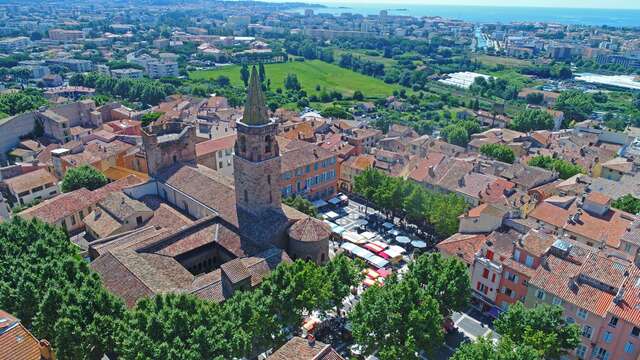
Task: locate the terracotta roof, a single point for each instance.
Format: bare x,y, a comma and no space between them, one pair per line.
213,145
16,342
63,205
421,170
619,164
30,180
121,206
536,243
598,198
310,230
560,277
464,246
101,223
302,349
299,153
53,210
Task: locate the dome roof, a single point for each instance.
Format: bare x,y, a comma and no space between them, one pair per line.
310,230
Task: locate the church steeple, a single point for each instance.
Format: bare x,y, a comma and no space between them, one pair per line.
256,160
255,109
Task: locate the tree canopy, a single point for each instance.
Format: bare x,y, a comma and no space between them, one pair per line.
19,102
400,196
398,319
146,91
532,119
444,279
564,168
575,104
301,204
499,152
84,176
51,289
627,203
542,328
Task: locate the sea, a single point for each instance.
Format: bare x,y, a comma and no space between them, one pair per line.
492,14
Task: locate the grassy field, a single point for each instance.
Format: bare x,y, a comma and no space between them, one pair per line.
310,74
499,60
362,55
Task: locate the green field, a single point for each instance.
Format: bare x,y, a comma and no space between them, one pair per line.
310,74
500,60
362,55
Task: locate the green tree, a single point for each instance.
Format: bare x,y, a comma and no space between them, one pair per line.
444,279
499,152
627,203
293,288
20,102
342,275
84,176
457,135
150,117
244,74
301,204
397,319
564,168
485,349
261,72
576,105
532,119
52,290
291,82
543,328
335,111
358,96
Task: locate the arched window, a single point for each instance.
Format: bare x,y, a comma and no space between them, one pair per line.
267,143
243,143
246,196
269,179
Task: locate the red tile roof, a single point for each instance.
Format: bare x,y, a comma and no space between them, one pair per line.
464,246
213,145
16,342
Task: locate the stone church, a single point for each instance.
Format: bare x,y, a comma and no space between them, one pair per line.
209,235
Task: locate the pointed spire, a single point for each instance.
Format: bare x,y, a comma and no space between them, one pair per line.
255,109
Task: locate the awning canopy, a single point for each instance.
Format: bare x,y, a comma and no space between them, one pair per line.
353,237
403,240
418,244
331,215
393,232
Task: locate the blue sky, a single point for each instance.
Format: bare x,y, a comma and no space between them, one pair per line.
608,4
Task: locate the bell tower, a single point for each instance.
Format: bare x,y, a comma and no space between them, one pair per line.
257,157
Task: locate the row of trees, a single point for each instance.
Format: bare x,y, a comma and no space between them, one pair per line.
146,91
564,168
54,292
406,198
365,67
